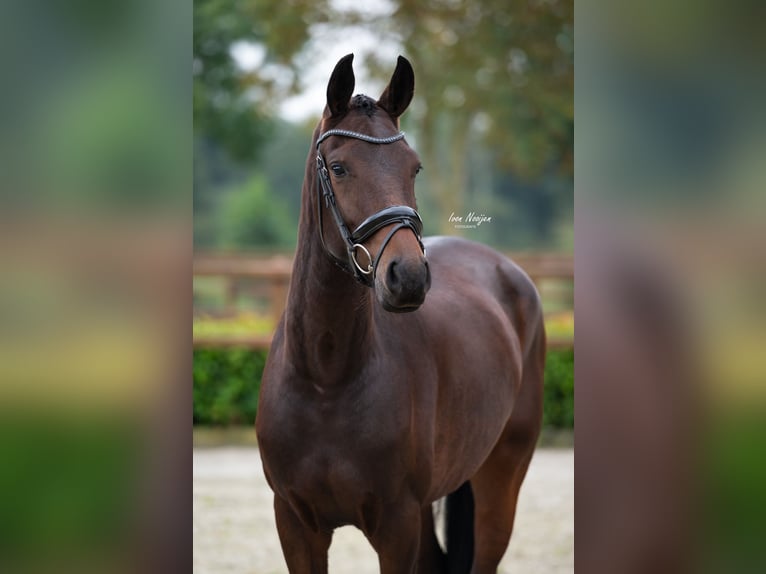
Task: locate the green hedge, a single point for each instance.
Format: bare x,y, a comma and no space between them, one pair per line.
558,394
226,383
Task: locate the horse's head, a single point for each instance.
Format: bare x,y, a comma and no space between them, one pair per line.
366,188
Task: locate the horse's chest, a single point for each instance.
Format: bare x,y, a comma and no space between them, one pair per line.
335,461
333,491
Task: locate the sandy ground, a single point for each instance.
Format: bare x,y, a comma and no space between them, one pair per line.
234,531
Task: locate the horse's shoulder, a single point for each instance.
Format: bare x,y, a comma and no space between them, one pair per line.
471,267
456,252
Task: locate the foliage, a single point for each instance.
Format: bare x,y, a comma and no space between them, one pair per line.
558,395
232,103
243,324
68,482
251,217
235,100
560,325
495,133
509,93
283,163
227,381
222,112
734,472
226,385
510,63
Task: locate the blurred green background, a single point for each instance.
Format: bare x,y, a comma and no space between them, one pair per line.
495,133
95,225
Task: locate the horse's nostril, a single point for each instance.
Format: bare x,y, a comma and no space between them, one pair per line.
392,276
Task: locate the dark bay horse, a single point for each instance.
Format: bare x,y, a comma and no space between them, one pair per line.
402,371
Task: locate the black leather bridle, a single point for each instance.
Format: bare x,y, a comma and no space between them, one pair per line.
401,215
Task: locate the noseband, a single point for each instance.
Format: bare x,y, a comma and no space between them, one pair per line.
401,215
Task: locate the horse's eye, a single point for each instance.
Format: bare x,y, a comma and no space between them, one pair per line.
419,169
338,170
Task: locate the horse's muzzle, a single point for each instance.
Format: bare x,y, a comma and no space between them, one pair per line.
404,284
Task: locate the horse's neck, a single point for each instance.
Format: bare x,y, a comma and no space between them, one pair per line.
328,318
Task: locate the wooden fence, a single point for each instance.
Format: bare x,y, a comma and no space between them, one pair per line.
269,277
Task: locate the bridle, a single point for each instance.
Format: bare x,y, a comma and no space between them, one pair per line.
403,216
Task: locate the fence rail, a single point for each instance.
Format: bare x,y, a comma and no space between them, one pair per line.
271,274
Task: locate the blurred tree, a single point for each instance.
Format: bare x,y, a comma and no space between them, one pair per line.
222,112
494,82
283,161
235,98
499,69
251,218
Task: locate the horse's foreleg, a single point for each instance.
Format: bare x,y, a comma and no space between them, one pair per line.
305,550
397,538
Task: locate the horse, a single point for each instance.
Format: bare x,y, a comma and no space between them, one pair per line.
404,371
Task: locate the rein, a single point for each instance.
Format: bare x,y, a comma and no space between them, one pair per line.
403,216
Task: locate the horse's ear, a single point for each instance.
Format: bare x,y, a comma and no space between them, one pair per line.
341,86
398,94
